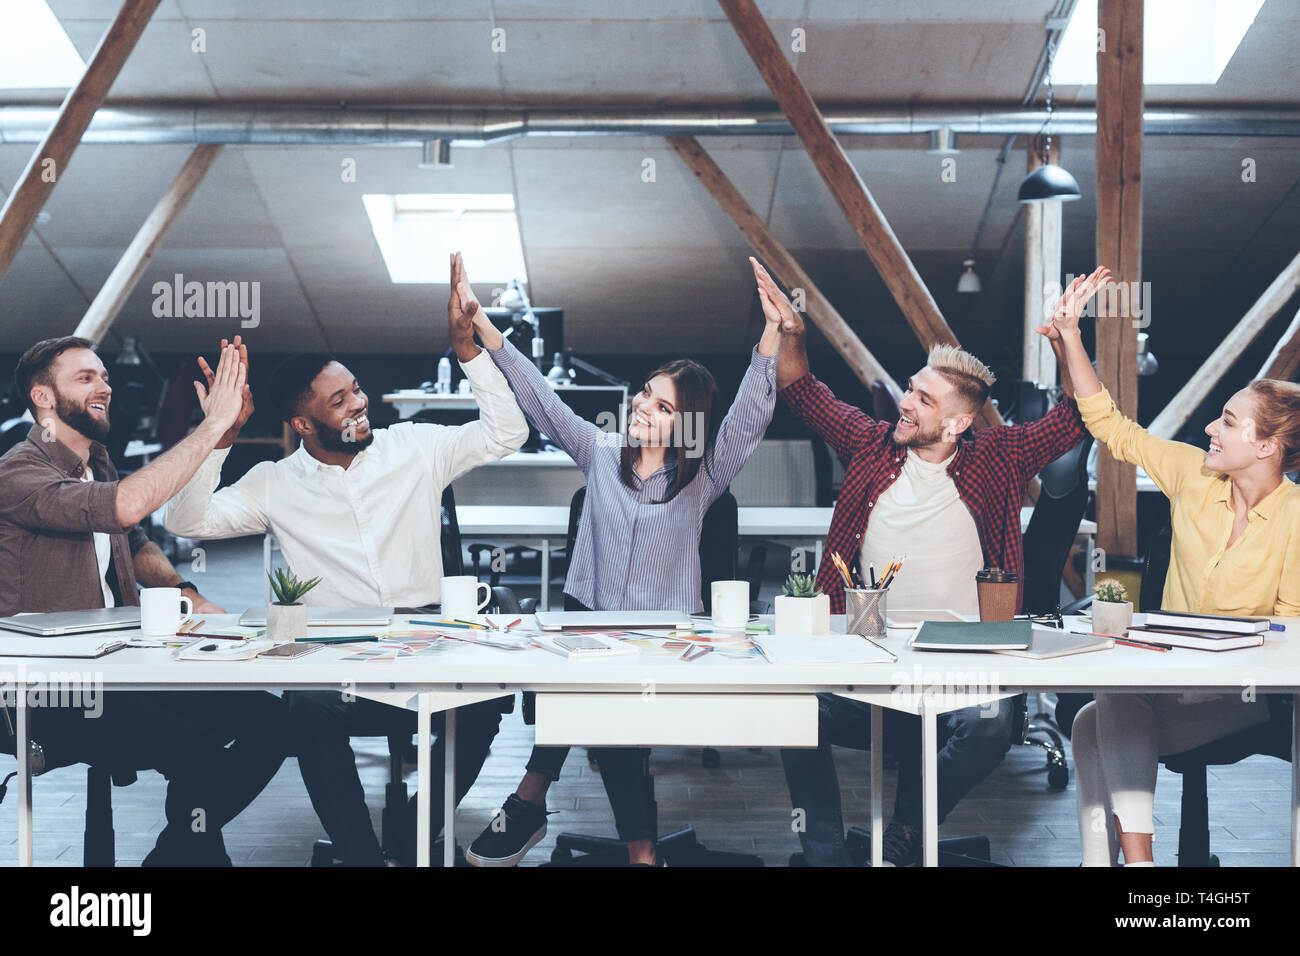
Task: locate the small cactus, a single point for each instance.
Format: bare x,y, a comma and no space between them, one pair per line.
1111,591
801,585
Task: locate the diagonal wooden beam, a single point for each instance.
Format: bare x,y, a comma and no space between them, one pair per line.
121,281
1119,246
1190,396
782,264
886,252
50,160
1284,362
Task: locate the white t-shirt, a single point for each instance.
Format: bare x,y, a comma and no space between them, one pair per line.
922,517
103,552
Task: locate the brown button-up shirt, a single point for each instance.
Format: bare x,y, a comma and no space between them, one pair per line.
48,517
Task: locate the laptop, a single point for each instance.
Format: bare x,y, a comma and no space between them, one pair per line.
327,616
54,623
613,620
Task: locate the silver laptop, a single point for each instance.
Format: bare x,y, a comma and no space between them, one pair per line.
612,620
54,623
327,616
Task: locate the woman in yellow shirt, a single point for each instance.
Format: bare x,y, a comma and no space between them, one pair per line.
1235,550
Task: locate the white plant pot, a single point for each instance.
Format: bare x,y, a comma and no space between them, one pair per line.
801,615
1112,617
286,623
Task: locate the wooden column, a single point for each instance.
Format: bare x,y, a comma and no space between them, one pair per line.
51,158
1284,362
1042,266
121,281
886,252
1190,396
1119,246
782,264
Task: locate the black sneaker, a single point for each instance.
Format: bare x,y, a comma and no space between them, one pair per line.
517,828
901,845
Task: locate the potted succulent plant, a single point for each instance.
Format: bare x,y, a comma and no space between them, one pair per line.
801,608
286,616
1112,611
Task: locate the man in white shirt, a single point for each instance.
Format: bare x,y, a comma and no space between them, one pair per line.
361,509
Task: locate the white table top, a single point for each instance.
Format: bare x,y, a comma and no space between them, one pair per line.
1275,666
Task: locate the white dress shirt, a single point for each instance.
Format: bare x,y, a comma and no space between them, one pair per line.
372,531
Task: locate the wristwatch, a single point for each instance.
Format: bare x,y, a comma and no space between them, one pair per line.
187,586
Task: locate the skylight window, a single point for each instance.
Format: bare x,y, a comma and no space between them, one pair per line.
35,52
1183,41
418,232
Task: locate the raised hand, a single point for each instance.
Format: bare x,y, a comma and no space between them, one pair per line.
462,305
1065,316
246,410
223,399
776,307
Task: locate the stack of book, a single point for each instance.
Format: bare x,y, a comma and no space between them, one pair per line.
1203,632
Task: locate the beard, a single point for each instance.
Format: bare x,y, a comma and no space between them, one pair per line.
919,437
331,439
78,418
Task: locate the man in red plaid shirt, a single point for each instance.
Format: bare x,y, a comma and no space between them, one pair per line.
951,506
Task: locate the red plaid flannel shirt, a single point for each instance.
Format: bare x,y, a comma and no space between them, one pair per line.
991,473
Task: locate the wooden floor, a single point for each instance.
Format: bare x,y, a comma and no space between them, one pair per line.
741,806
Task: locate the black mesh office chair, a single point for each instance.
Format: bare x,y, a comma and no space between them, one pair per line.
394,824
1062,499
718,547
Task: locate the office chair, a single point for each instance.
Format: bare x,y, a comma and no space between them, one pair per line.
718,547
393,825
1052,529
1272,737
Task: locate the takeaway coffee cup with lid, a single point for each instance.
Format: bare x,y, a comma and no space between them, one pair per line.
997,591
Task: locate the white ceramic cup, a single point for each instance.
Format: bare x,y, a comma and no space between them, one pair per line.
460,596
730,603
160,611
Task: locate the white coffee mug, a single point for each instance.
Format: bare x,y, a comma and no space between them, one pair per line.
730,603
160,611
460,596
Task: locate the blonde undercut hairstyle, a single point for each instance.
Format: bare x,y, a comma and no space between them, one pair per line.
968,375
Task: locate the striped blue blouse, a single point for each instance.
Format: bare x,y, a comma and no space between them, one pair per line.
632,553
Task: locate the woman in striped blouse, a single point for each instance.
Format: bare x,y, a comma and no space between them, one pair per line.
638,540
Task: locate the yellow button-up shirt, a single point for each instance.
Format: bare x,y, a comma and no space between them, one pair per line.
1259,574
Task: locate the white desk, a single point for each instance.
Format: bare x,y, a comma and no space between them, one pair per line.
693,703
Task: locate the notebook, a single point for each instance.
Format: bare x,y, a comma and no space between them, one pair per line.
327,616
11,646
53,623
973,636
613,620
1196,640
1048,642
1185,621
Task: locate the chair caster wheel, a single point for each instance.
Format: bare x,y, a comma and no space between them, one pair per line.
560,855
1058,777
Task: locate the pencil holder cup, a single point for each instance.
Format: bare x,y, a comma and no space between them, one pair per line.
864,611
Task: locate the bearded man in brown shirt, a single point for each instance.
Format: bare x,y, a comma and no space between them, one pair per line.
70,539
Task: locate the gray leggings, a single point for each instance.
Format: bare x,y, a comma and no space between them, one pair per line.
1118,741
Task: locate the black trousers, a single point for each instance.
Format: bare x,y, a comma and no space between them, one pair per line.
217,749
323,722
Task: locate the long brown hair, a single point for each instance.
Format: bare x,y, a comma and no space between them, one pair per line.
697,396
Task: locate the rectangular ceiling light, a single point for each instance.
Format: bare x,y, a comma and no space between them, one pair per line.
1184,42
35,52
418,232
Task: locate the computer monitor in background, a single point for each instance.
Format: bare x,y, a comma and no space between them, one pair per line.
603,405
551,324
